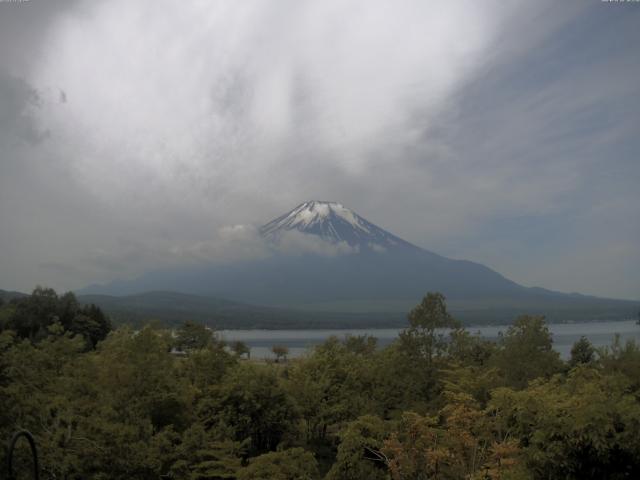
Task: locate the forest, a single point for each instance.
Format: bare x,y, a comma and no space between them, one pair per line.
439,403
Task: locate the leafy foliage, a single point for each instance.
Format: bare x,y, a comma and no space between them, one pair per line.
581,426
291,464
422,339
359,454
30,317
193,336
439,403
526,352
582,353
250,405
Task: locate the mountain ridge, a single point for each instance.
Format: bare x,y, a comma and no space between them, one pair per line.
335,223
377,267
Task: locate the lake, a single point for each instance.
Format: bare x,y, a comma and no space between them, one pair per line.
300,342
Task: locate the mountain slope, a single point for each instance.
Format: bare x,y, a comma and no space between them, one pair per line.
377,272
173,308
7,295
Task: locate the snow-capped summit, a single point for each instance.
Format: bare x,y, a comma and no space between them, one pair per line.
335,223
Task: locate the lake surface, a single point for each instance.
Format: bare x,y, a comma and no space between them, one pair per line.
300,342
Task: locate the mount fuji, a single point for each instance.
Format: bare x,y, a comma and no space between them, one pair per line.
352,266
334,223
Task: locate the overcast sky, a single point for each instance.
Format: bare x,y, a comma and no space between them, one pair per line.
507,133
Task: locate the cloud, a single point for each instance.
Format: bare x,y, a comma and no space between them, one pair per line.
267,89
446,123
18,104
231,243
226,245
293,242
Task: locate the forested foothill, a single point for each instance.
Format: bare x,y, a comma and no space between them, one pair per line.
152,403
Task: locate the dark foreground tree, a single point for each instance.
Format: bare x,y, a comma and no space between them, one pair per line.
582,353
31,317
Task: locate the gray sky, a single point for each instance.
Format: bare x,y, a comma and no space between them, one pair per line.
142,134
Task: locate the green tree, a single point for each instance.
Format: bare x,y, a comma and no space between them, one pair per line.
33,314
92,324
622,358
361,344
421,351
7,310
140,378
526,352
423,338
582,353
206,367
193,336
359,453
291,464
250,404
469,350
202,455
66,309
580,426
332,386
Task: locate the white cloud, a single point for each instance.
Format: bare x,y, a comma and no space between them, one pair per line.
436,120
293,242
188,97
230,243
